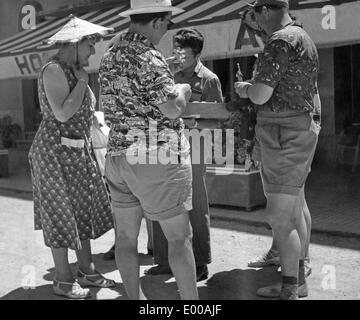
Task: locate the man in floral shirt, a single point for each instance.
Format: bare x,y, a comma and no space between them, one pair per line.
284,91
148,166
205,86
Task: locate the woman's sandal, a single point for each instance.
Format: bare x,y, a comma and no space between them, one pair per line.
76,292
88,280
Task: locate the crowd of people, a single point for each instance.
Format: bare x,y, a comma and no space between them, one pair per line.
143,96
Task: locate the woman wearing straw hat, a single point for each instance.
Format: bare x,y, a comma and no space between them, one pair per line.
70,201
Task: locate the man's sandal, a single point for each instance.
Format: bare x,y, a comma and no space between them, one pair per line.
100,282
76,292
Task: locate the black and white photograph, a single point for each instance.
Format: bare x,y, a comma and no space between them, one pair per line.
184,152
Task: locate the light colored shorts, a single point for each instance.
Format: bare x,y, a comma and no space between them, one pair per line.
287,147
163,191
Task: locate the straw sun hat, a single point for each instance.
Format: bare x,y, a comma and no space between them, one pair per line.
75,30
150,6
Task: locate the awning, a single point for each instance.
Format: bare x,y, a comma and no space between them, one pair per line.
226,37
219,20
23,54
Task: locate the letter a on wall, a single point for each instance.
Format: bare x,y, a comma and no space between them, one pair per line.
246,37
27,15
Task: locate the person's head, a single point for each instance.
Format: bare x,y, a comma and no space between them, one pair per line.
248,17
152,18
154,25
77,39
85,49
78,54
270,13
191,41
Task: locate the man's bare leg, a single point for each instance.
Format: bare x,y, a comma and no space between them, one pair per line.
286,219
178,232
306,215
127,227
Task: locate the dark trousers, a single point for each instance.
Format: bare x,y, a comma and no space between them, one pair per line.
199,219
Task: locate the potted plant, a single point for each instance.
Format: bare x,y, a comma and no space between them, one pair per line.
240,186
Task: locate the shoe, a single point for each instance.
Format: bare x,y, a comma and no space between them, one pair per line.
89,280
158,270
202,273
110,255
270,258
274,291
307,267
289,292
76,292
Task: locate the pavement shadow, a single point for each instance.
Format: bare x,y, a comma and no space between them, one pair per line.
103,266
110,265
237,284
45,292
166,287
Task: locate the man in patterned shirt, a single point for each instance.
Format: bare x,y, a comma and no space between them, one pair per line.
205,86
148,166
284,90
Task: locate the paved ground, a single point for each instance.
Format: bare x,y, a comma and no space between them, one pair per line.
333,196
25,261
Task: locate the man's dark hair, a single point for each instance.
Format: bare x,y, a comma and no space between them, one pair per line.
190,38
296,21
145,18
258,9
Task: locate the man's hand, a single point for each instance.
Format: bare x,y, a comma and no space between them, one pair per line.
176,106
81,74
185,89
176,61
174,65
241,88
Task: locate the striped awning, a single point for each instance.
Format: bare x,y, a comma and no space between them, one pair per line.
23,55
196,11
32,40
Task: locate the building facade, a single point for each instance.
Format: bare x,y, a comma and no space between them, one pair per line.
333,25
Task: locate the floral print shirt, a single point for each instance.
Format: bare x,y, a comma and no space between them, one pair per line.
290,65
134,80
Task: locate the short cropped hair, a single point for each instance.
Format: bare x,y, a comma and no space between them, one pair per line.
145,18
190,38
272,7
296,21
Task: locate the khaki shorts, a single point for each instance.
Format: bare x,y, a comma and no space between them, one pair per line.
287,147
163,191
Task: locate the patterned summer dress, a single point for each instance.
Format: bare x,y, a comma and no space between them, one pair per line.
70,199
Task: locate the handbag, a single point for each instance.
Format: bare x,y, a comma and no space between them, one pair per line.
99,133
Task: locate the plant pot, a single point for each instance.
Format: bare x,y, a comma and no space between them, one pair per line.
234,187
4,162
